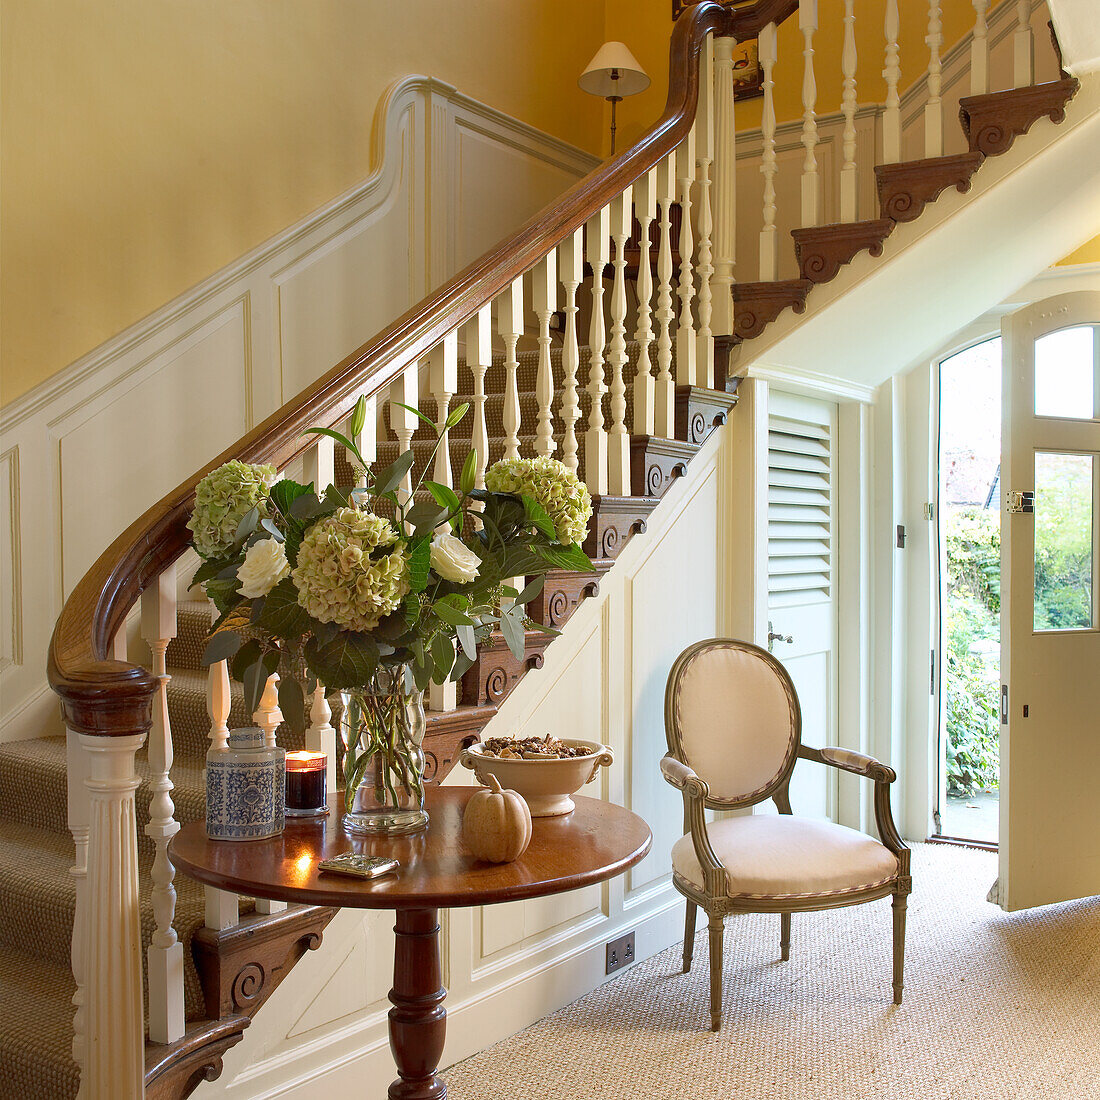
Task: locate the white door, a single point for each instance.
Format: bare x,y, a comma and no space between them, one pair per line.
801,579
1050,627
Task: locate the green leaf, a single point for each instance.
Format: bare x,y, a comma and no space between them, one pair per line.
420,556
256,676
210,568
358,417
425,517
443,657
341,439
348,661
221,647
292,703
388,479
427,419
247,655
572,558
247,524
469,472
269,526
284,493
282,615
462,665
457,413
468,640
224,594
451,615
534,515
306,506
444,496
531,590
335,497
511,626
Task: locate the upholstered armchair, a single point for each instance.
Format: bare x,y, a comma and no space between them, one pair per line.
734,729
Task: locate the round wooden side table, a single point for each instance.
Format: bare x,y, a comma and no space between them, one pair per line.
597,841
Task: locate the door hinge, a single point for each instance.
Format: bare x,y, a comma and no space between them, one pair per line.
929,512
1004,704
901,536
1019,501
932,673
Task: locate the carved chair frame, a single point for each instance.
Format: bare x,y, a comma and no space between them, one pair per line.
714,894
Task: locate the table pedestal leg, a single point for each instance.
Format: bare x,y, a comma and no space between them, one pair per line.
418,1020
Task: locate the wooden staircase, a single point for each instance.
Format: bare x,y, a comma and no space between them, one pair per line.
230,971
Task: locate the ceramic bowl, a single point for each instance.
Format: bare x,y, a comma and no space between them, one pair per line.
545,784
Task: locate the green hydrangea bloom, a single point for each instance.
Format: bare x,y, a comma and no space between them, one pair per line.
563,497
222,499
340,576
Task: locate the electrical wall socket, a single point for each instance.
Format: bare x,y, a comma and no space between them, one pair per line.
620,953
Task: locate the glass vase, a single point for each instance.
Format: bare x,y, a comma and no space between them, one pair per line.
382,730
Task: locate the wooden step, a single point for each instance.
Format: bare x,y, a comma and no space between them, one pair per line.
615,520
822,250
700,411
756,305
992,122
905,189
655,463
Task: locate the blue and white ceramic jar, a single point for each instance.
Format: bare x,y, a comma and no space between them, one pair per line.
245,788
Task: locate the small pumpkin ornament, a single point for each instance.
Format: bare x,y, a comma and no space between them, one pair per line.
496,826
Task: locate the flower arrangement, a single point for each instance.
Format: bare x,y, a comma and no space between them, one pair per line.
324,587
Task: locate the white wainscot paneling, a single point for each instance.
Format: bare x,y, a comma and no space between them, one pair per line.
673,602
119,458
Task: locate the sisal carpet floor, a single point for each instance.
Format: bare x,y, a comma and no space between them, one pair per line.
997,1005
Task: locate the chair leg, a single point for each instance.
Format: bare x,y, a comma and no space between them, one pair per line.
785,936
689,935
716,925
899,904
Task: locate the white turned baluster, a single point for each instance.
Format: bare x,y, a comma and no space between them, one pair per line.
510,327
704,157
664,400
367,439
321,735
725,190
114,1048
545,294
404,397
618,443
685,323
319,463
165,955
933,108
595,438
78,810
268,717
645,206
891,115
811,180
979,50
571,263
479,357
1023,47
769,235
221,905
443,382
849,176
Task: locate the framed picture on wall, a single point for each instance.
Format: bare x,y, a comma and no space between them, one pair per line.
747,75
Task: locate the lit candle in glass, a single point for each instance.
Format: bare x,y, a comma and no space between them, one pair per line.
305,784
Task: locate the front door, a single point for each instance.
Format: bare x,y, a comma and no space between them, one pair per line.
801,577
1050,627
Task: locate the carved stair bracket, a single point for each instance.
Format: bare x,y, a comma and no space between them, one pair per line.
993,122
448,733
905,189
655,463
699,411
822,250
615,520
561,595
491,678
174,1071
725,349
756,305
240,967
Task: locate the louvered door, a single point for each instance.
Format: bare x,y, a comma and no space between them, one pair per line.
801,575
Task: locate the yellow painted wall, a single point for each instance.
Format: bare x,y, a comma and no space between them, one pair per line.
1088,253
147,143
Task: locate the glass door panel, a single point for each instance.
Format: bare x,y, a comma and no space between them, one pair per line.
1065,373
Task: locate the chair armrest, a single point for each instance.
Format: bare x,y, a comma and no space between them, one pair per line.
683,778
859,763
847,760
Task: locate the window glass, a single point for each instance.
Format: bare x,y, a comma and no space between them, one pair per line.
1065,373
1064,541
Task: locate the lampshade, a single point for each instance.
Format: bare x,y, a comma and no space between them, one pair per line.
611,57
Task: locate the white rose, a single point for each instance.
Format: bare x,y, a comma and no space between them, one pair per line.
453,560
264,566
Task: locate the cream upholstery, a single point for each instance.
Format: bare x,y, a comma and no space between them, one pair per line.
768,855
736,720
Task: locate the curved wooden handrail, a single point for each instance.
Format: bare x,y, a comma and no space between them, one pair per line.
107,697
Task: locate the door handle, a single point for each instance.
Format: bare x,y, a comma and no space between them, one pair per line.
774,637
